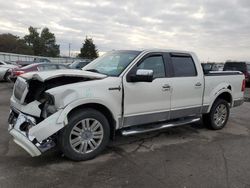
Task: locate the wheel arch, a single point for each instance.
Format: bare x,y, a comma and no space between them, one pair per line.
225,95
97,106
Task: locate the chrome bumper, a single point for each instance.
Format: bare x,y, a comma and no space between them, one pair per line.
19,125
25,143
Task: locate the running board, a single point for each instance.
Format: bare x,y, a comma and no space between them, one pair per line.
154,127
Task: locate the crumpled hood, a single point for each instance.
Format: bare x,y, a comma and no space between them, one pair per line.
47,75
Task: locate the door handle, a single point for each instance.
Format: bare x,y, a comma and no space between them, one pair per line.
198,84
166,87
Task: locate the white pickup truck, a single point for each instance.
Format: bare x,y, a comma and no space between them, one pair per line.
131,91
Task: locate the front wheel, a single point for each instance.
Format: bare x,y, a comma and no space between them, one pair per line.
218,116
86,135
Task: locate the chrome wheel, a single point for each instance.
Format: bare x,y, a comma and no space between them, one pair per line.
220,115
86,135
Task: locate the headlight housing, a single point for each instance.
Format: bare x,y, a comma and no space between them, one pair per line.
48,105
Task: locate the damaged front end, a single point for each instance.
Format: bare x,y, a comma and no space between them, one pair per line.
19,126
33,120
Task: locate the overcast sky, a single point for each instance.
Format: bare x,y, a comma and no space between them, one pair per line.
214,29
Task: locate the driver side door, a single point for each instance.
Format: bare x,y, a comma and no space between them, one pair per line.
147,102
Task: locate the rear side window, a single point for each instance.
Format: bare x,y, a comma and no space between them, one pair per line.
183,66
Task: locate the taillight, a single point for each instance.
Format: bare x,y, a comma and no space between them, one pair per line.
243,87
18,73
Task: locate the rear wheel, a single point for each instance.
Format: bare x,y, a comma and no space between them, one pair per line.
218,116
86,135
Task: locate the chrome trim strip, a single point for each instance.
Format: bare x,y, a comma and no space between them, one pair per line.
145,118
185,112
145,129
162,116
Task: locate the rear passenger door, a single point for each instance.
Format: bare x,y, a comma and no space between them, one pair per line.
186,86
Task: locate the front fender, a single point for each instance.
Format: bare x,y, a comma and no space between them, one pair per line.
63,116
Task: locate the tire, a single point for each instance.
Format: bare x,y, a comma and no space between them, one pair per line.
218,116
7,76
86,135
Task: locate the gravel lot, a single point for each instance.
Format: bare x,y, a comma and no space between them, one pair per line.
189,156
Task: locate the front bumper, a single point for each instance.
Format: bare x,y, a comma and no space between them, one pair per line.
25,143
20,126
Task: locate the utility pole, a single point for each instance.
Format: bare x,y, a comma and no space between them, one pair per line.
69,49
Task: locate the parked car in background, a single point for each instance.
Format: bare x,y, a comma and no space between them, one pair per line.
212,67
7,64
79,64
36,67
36,60
244,67
5,68
41,60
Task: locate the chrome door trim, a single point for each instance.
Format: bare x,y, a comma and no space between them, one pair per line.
162,116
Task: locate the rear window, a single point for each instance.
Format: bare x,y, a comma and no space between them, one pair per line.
234,66
183,66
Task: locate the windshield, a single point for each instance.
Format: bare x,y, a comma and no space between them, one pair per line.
112,63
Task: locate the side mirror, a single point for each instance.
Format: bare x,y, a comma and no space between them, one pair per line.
142,75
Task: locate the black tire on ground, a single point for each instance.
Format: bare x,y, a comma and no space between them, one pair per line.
209,119
7,76
65,137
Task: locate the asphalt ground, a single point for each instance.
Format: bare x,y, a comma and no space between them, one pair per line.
188,156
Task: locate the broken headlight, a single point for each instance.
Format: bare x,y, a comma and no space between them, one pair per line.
48,105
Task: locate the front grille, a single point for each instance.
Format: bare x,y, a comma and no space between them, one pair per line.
20,87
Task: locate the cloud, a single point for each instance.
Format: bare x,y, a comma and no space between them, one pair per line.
215,29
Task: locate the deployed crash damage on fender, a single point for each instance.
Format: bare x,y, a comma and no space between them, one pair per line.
33,120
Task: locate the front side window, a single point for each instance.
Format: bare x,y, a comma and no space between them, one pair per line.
154,63
112,63
183,66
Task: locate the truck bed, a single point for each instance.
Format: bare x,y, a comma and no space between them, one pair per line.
222,79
